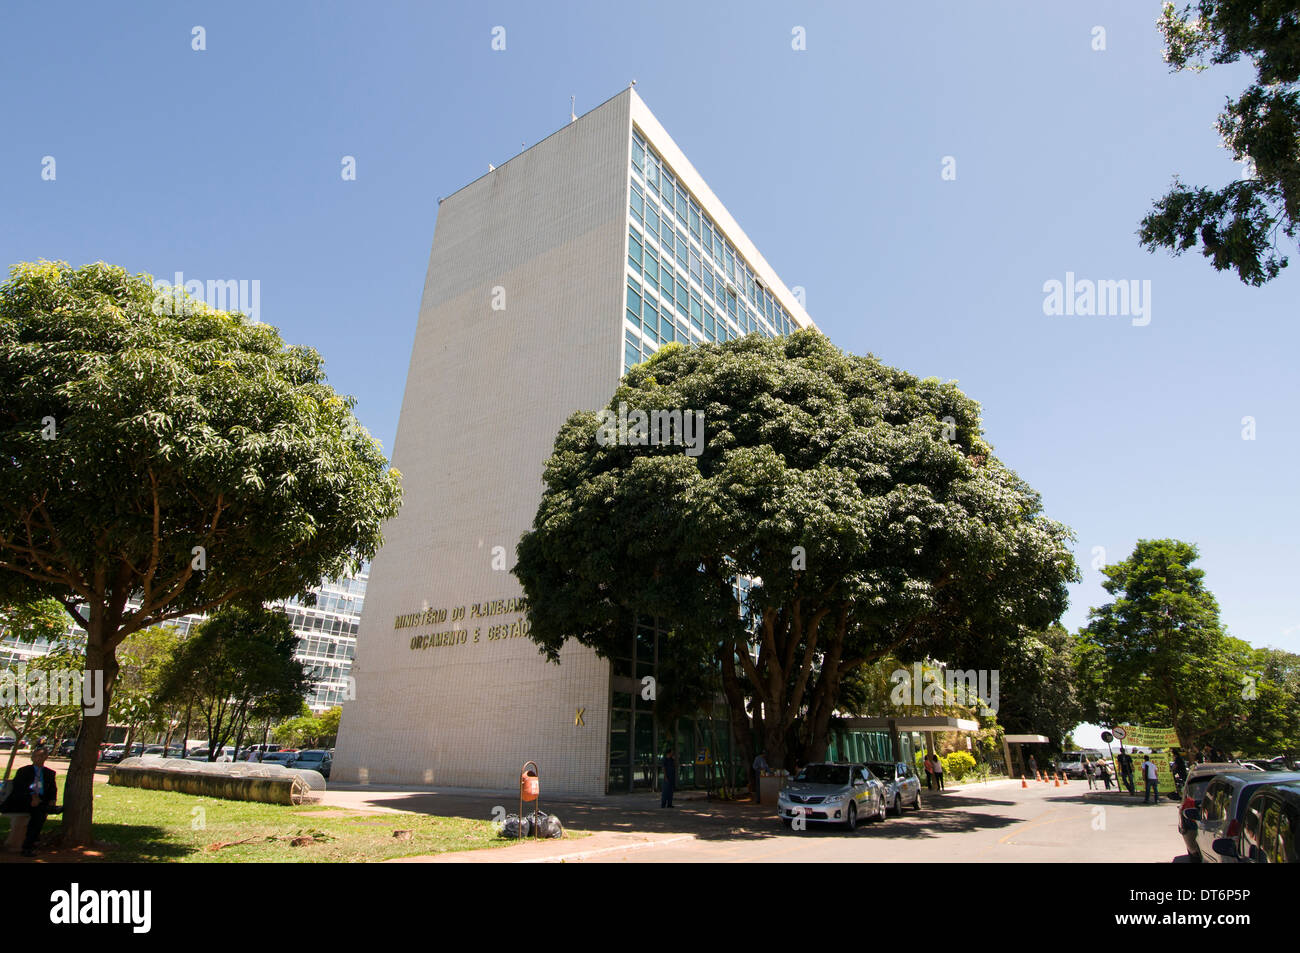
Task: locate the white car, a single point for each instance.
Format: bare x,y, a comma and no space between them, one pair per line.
827,793
902,786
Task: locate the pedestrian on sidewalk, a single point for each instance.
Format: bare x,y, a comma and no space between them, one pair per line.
929,773
938,772
1033,767
670,779
1126,770
760,769
1091,773
1104,768
1152,793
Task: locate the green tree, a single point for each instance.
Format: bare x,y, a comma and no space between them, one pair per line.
239,666
1157,654
1237,226
34,620
142,660
863,503
29,622
329,720
167,458
36,696
1038,693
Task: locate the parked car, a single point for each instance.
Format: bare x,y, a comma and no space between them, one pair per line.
201,754
1271,831
283,758
1198,779
1070,763
902,786
115,753
66,747
315,759
1265,764
1223,809
6,742
833,793
173,752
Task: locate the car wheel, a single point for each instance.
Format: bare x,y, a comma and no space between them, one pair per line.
787,823
898,806
883,810
851,817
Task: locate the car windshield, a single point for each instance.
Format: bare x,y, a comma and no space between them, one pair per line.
824,774
312,756
883,771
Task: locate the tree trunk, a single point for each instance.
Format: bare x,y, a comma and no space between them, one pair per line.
78,791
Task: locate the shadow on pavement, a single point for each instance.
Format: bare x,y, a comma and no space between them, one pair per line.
706,820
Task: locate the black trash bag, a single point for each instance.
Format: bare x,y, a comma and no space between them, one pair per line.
510,827
546,825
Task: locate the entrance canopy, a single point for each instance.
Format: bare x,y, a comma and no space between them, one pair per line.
924,723
1026,739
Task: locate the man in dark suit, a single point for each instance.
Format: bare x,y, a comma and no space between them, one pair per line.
33,794
670,779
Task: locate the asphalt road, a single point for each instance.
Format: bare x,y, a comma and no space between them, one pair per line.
995,823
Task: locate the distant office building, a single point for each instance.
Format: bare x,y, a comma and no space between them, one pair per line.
549,277
327,637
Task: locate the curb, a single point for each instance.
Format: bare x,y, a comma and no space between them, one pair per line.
581,855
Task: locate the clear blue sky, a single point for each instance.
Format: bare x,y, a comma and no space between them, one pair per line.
225,163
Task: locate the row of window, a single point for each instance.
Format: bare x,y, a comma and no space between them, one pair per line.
313,647
303,622
664,209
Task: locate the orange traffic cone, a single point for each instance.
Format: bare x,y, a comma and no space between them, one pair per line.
1023,783
1065,779
1058,781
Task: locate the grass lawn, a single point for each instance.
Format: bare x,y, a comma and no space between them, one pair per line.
144,826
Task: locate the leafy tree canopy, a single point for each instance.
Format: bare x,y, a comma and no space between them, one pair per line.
1237,226
864,505
156,450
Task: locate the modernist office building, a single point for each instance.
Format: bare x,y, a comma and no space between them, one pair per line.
549,277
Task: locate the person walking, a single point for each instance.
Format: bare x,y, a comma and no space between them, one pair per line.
760,768
929,774
1033,767
1126,770
670,779
1151,795
1180,770
938,772
1104,768
1090,773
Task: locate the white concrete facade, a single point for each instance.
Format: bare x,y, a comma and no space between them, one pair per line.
521,324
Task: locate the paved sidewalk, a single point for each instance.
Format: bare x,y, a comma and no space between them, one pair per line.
619,825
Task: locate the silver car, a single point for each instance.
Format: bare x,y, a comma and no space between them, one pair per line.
833,794
902,786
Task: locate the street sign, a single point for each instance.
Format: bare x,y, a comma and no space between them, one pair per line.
1119,732
1107,737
